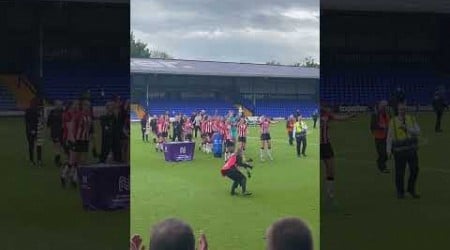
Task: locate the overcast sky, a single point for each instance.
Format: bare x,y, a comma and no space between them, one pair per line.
254,31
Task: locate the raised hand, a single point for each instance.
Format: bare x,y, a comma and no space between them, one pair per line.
136,243
202,242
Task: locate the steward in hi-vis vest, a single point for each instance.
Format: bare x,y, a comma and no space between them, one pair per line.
402,142
299,133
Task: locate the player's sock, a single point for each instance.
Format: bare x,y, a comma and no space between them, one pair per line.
233,187
261,154
244,187
58,160
39,155
269,153
330,187
63,174
73,175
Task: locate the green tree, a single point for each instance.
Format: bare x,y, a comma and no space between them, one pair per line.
308,62
138,49
159,54
273,62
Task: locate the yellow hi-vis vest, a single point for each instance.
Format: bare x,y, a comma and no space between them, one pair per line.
299,128
402,141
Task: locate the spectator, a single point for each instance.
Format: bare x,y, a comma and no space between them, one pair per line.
125,133
289,234
144,131
55,123
107,123
171,234
32,115
117,130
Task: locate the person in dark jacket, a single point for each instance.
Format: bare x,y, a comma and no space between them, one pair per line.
154,128
55,123
177,129
107,124
315,116
31,126
439,105
144,128
125,135
117,130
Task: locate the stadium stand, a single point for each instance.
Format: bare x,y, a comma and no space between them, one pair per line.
65,82
187,106
365,87
284,108
19,89
272,108
188,85
7,100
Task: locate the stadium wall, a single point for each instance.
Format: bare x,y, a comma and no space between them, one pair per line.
364,109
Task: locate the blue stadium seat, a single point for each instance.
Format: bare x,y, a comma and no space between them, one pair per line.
284,107
211,106
367,86
7,100
66,82
272,108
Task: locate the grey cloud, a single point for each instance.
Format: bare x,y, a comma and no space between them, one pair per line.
216,30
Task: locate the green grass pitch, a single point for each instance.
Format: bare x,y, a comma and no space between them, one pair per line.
196,192
36,213
368,216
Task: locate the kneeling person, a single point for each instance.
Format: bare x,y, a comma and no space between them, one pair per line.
230,169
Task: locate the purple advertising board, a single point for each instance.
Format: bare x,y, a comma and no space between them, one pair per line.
179,151
104,186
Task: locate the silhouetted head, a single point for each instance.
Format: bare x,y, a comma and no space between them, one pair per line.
172,234
289,234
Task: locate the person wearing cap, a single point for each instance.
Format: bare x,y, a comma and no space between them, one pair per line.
379,124
299,132
402,142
